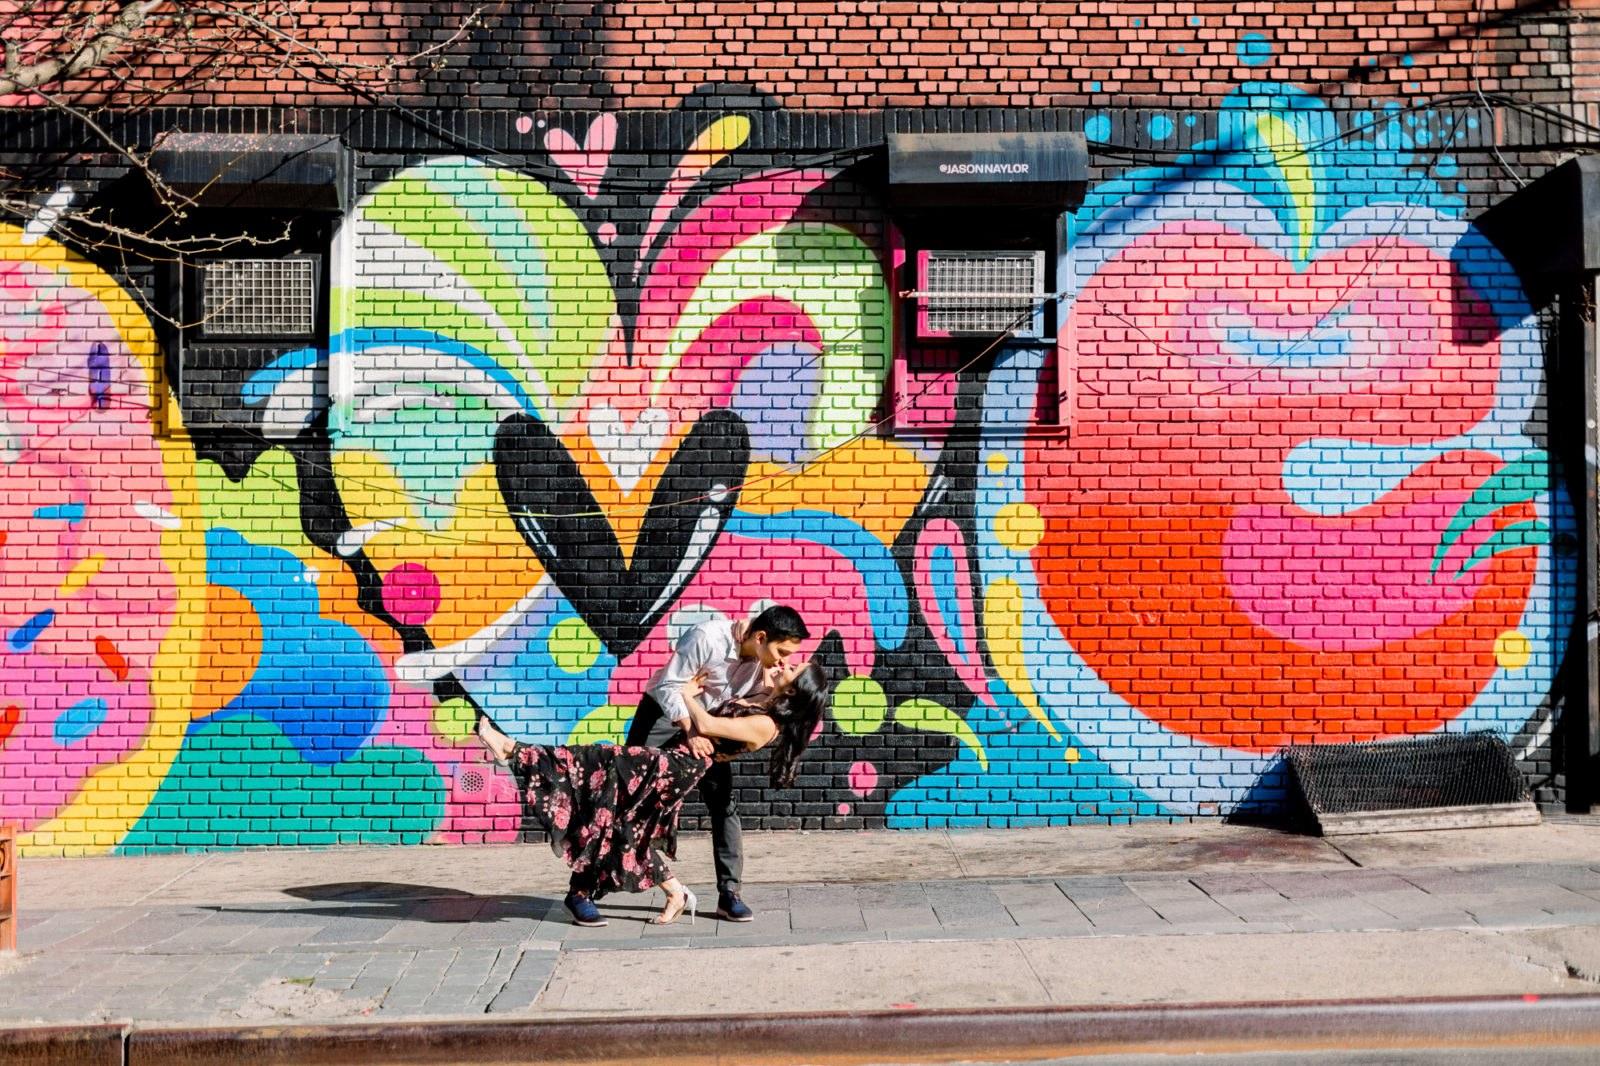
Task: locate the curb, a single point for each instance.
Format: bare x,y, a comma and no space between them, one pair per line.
843,1038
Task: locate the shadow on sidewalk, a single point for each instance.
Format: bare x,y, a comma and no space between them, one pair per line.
404,902
394,901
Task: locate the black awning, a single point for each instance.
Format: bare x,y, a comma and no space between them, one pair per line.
268,170
1032,169
1550,230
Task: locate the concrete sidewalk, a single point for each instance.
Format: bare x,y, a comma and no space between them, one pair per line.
1085,915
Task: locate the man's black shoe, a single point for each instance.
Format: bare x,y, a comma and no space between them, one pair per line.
732,908
583,910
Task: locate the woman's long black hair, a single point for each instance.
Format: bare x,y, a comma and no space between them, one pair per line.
796,713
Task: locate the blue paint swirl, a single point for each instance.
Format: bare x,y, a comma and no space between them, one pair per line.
66,512
22,637
80,720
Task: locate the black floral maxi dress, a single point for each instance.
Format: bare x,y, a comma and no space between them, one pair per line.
611,808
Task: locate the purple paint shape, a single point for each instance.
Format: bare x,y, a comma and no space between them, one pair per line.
411,594
774,396
99,375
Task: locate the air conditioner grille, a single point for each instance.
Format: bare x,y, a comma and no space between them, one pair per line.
988,292
258,298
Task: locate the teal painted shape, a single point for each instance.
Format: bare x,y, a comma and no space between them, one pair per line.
1519,481
241,783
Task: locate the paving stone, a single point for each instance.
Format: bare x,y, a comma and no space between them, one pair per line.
273,938
52,930
1232,884
353,929
532,972
1111,904
158,926
1333,913
820,908
1414,906
501,920
1296,885
1181,903
1259,910
895,906
965,903
345,964
771,907
337,984
467,972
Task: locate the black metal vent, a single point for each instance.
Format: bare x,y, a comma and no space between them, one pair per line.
1450,781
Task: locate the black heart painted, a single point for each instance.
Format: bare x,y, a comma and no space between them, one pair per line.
558,517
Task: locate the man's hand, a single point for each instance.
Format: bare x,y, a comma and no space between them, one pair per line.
701,747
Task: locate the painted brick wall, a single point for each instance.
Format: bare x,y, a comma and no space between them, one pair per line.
1285,476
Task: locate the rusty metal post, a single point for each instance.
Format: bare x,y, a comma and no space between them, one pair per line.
8,888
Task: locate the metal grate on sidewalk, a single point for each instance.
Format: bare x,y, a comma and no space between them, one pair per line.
1440,782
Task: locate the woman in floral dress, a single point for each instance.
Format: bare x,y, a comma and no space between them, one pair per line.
613,810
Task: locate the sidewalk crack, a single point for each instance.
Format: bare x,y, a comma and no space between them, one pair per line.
175,878
955,856
1351,859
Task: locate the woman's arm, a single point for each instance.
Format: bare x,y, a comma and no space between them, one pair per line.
753,730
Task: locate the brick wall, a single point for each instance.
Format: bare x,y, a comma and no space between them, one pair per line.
1282,474
863,54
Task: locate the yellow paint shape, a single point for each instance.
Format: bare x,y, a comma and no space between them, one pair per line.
607,722
722,137
998,463
481,562
80,576
454,720
1295,166
573,646
934,717
1019,526
1003,626
115,797
874,483
369,488
1512,650
1072,755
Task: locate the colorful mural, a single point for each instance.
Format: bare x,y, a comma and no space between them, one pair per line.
1294,499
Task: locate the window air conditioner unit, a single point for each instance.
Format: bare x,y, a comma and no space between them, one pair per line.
259,298
980,294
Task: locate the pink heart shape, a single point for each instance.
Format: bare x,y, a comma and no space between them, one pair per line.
584,164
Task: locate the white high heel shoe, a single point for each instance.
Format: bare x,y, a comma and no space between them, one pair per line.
690,904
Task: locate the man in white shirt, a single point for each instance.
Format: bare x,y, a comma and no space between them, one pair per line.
730,659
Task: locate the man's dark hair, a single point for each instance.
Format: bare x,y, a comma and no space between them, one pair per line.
780,623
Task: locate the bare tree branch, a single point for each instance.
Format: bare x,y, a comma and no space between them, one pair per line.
88,54
90,59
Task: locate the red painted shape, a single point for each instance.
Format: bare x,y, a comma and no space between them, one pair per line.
8,721
111,657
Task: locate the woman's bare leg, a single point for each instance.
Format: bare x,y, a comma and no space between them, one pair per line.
678,897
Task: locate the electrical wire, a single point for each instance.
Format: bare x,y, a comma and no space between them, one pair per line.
793,468
1387,244
1472,68
786,471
